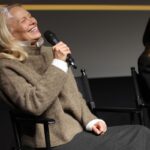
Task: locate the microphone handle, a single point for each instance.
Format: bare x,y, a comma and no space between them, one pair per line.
70,61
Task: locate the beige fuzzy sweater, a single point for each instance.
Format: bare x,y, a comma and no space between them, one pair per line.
37,87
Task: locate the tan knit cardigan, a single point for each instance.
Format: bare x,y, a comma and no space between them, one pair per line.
37,87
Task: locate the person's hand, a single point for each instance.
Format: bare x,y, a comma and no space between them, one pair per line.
60,51
100,127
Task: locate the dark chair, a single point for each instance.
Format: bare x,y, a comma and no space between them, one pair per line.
116,95
83,85
84,88
18,118
141,94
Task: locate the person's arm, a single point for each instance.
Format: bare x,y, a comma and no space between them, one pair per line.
30,91
91,122
98,126
87,118
60,64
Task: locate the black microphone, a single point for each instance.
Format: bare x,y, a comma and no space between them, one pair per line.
52,39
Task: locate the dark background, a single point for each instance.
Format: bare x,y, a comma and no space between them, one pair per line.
105,43
79,1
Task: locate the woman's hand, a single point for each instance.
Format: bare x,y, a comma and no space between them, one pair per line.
60,51
100,127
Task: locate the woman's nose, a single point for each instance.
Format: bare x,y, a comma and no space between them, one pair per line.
31,20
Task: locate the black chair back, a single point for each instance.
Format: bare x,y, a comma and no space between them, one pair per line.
83,85
142,96
84,88
139,87
116,95
17,118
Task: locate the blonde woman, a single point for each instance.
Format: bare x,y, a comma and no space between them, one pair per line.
38,81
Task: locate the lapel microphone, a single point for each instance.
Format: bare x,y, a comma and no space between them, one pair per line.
53,40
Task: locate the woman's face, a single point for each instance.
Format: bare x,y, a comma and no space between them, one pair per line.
22,25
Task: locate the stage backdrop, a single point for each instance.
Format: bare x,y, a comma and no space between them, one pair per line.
105,37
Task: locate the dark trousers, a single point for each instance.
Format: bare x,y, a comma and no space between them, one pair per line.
128,137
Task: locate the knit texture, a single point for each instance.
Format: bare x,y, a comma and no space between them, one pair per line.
39,88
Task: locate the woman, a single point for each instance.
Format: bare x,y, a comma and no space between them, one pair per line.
144,68
38,81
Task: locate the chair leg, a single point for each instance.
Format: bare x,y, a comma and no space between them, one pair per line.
47,136
141,117
132,117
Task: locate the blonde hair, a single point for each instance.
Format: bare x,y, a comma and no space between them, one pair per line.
9,47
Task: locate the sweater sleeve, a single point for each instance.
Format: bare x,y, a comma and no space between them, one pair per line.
30,91
85,115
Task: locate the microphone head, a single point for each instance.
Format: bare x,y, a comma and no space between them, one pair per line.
51,37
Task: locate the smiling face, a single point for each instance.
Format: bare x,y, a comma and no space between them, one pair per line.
22,25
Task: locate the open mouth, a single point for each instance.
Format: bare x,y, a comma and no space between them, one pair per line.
35,29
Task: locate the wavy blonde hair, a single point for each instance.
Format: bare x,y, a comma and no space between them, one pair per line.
9,47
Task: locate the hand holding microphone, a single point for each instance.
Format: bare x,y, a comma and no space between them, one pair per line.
61,50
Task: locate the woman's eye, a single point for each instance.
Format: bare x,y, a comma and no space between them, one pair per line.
22,21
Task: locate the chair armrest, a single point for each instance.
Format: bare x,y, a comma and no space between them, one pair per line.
23,117
31,118
116,109
35,119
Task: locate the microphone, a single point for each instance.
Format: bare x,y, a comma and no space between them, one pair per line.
53,40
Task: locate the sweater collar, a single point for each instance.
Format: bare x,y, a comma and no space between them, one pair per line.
39,43
30,48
